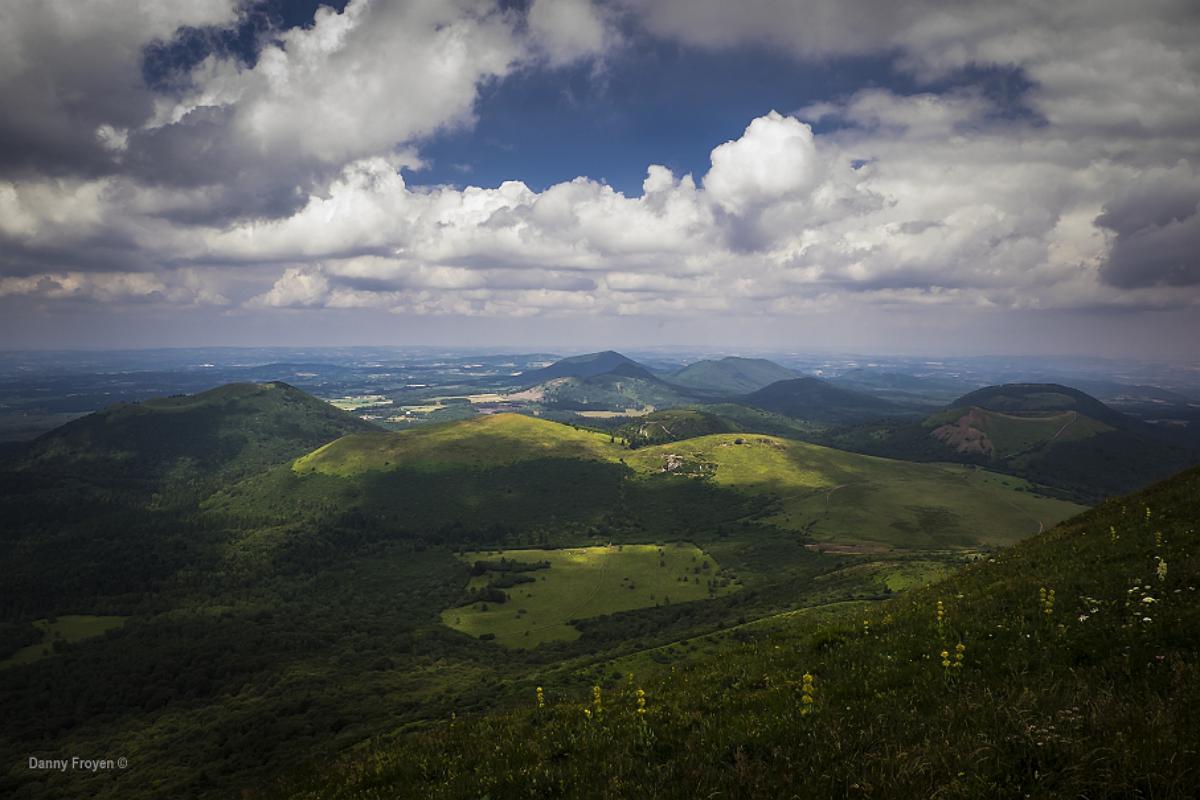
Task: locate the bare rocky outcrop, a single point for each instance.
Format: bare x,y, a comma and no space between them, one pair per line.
966,434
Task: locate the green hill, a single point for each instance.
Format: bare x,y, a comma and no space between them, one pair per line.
830,497
731,375
815,400
1050,434
587,366
1042,398
606,382
106,504
1063,667
229,430
611,392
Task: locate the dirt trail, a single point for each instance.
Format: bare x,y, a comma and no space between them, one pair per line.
1069,423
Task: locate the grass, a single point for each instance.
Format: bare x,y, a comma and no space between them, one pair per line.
1093,696
68,628
584,582
486,441
835,496
828,495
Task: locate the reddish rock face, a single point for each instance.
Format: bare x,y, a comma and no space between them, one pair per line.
966,434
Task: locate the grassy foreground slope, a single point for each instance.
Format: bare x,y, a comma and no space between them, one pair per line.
1065,667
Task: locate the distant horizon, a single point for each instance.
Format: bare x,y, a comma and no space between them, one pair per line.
525,349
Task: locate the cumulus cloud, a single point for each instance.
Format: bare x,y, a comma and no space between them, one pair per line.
369,81
775,159
70,76
357,82
569,30
281,184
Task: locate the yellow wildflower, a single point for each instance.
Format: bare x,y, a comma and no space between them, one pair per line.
541,698
1046,600
807,694
641,702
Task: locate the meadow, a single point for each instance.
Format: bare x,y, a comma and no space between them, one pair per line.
584,582
66,629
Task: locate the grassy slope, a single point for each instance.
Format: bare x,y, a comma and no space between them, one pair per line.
828,494
585,582
1095,697
837,496
484,441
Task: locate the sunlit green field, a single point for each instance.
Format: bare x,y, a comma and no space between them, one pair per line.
485,441
585,582
69,628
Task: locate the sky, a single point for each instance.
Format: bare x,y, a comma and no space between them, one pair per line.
891,176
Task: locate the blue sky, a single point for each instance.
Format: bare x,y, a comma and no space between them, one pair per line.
892,174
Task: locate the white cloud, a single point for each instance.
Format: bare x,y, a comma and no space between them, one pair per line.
775,159
360,82
932,199
570,30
